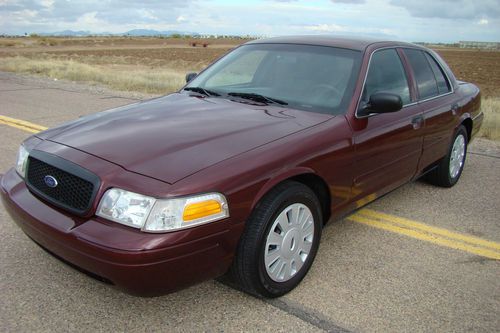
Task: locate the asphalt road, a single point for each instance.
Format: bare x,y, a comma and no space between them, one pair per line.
373,272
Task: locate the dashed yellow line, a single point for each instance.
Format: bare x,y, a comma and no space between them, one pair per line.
424,232
396,224
21,124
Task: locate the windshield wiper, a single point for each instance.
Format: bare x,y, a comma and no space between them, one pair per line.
258,98
202,91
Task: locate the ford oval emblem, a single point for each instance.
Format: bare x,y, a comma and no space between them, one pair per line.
50,181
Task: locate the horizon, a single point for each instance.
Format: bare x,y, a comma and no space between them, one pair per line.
184,34
428,21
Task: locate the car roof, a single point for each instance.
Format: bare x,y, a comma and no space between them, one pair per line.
353,43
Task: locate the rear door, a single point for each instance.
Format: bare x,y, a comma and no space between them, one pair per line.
388,146
436,98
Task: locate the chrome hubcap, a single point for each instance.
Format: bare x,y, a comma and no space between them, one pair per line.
457,156
289,242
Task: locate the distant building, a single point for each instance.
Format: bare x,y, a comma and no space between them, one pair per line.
479,45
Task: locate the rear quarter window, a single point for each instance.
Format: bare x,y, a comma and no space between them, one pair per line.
442,82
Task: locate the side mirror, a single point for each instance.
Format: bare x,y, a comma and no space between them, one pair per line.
382,103
190,76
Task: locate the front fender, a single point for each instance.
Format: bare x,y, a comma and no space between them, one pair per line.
278,178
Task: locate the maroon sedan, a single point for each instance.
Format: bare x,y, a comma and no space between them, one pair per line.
239,170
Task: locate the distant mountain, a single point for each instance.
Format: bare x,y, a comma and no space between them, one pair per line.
66,33
134,32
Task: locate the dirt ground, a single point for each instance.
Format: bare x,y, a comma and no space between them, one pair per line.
144,50
477,66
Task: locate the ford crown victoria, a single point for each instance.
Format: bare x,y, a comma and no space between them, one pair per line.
238,171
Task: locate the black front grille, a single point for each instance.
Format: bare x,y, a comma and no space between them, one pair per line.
75,188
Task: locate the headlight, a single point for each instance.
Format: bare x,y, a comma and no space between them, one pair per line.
125,207
160,215
22,159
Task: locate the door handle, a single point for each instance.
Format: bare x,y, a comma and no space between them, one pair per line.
417,122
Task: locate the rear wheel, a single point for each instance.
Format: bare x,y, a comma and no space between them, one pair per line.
280,241
450,168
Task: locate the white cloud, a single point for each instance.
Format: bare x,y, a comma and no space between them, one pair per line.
28,14
47,3
181,19
483,22
88,20
147,14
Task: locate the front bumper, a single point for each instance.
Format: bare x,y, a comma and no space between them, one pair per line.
136,262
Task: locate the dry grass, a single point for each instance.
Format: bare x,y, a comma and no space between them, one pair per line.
124,78
10,43
148,65
491,124
122,57
45,41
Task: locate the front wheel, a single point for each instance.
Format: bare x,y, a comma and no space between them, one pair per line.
450,168
280,241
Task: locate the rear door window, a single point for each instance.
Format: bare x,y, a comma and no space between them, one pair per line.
426,81
386,74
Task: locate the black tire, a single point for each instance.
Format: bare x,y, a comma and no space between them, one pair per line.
248,270
441,175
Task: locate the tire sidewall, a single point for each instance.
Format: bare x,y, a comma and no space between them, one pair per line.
453,180
308,199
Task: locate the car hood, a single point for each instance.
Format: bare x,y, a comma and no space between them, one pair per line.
172,137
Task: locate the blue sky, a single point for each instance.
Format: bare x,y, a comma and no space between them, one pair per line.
423,20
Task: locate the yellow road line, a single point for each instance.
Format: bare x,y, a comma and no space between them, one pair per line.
421,231
27,129
430,229
405,229
21,124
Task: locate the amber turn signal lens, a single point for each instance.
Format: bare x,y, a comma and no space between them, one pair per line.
201,209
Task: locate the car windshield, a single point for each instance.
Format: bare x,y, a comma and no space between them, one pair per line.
305,77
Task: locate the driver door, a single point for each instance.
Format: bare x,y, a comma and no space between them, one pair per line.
388,146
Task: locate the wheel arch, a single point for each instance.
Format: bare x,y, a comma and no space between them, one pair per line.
307,177
467,122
